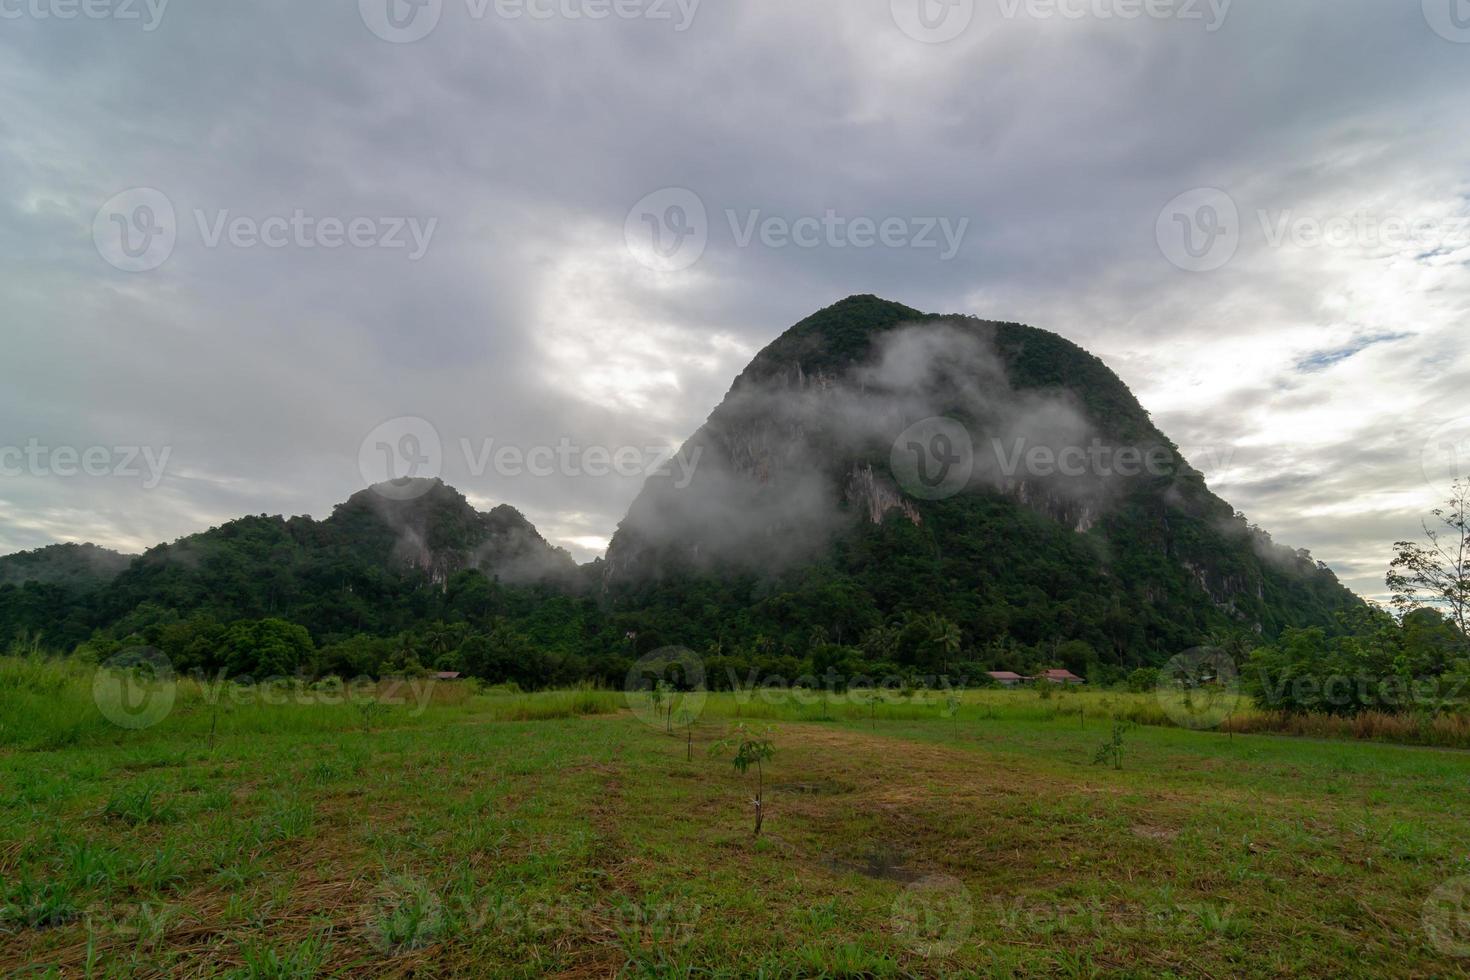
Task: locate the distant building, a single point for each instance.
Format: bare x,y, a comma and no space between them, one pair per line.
1061,677
447,675
1006,678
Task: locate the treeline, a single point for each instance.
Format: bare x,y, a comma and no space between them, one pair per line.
500,650
1419,665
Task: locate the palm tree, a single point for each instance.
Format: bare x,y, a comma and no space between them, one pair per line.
945,637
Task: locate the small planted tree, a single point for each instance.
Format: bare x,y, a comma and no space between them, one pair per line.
687,720
755,750
659,694
1112,749
952,706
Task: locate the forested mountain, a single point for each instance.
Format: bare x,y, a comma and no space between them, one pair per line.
802,543
366,568
72,565
53,591
795,473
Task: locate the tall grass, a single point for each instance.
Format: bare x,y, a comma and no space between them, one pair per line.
46,703
1443,731
545,705
49,703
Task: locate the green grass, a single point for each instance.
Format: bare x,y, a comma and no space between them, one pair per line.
533,835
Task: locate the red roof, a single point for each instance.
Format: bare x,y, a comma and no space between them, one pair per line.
1006,675
1060,675
447,675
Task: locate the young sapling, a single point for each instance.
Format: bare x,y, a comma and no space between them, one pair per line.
750,750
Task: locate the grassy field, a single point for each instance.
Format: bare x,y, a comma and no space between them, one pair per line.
559,834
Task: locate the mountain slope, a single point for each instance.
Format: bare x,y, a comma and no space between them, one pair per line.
801,487
73,565
367,567
52,592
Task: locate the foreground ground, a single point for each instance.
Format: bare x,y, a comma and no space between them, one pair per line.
905,844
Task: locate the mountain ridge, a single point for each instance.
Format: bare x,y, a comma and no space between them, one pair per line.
799,524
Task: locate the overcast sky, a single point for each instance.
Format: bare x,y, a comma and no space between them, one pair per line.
510,163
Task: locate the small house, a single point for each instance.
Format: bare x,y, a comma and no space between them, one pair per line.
1061,677
1006,678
